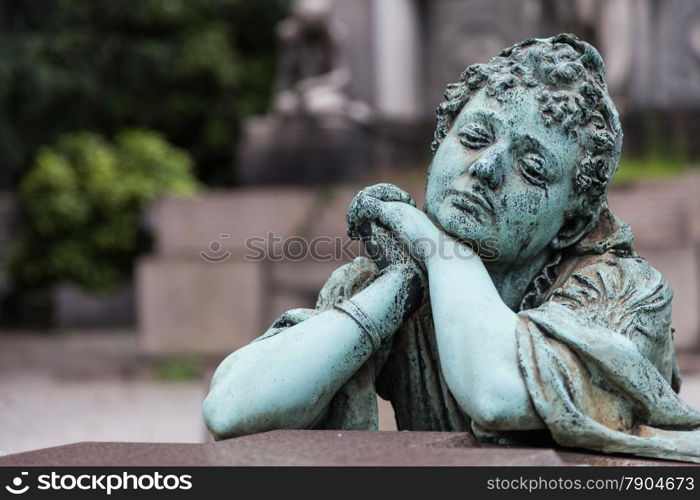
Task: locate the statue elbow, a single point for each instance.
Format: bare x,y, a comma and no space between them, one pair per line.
223,418
501,411
229,415
492,417
217,422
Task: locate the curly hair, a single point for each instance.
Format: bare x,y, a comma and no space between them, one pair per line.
568,76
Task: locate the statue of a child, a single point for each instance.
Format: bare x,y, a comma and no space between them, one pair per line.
560,330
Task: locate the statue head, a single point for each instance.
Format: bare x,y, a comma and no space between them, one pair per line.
525,148
312,12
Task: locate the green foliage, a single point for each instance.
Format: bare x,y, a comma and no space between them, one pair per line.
662,159
84,198
179,369
635,169
190,69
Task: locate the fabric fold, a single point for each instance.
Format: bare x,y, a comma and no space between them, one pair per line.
594,389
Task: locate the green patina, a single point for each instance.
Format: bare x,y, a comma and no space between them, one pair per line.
513,306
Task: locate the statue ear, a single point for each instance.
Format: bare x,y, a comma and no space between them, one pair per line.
573,229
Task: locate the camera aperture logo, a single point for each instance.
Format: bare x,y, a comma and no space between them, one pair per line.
215,253
102,482
17,488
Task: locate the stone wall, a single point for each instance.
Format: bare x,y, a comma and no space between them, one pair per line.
204,291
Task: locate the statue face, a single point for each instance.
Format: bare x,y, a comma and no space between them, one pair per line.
501,173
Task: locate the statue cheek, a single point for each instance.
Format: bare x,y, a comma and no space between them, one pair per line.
525,207
450,157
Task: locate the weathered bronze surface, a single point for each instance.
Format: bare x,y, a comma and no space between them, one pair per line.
512,307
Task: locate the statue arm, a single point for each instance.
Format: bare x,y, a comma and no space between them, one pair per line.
475,330
287,380
476,337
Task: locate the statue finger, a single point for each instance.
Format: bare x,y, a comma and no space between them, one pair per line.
389,192
293,317
362,208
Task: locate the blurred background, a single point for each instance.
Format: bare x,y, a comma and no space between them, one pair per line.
143,143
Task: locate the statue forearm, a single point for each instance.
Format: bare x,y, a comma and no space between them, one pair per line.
476,341
286,381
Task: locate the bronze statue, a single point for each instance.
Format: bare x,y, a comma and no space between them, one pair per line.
513,306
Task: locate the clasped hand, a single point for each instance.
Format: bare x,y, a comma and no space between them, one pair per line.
392,209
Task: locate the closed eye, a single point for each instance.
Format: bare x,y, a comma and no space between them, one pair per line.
476,135
534,169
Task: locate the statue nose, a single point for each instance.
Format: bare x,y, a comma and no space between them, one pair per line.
488,168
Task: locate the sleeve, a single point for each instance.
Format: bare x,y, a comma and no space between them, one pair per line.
354,407
598,362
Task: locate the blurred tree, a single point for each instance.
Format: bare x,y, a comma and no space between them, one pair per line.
191,69
84,198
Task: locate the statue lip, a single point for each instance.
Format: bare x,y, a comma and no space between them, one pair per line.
475,197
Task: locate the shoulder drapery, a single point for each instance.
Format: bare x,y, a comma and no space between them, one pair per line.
597,354
595,388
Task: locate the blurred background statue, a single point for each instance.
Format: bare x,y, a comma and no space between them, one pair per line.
312,77
315,132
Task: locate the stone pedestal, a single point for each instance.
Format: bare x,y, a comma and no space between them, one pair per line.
197,307
185,227
301,150
76,308
320,448
209,288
